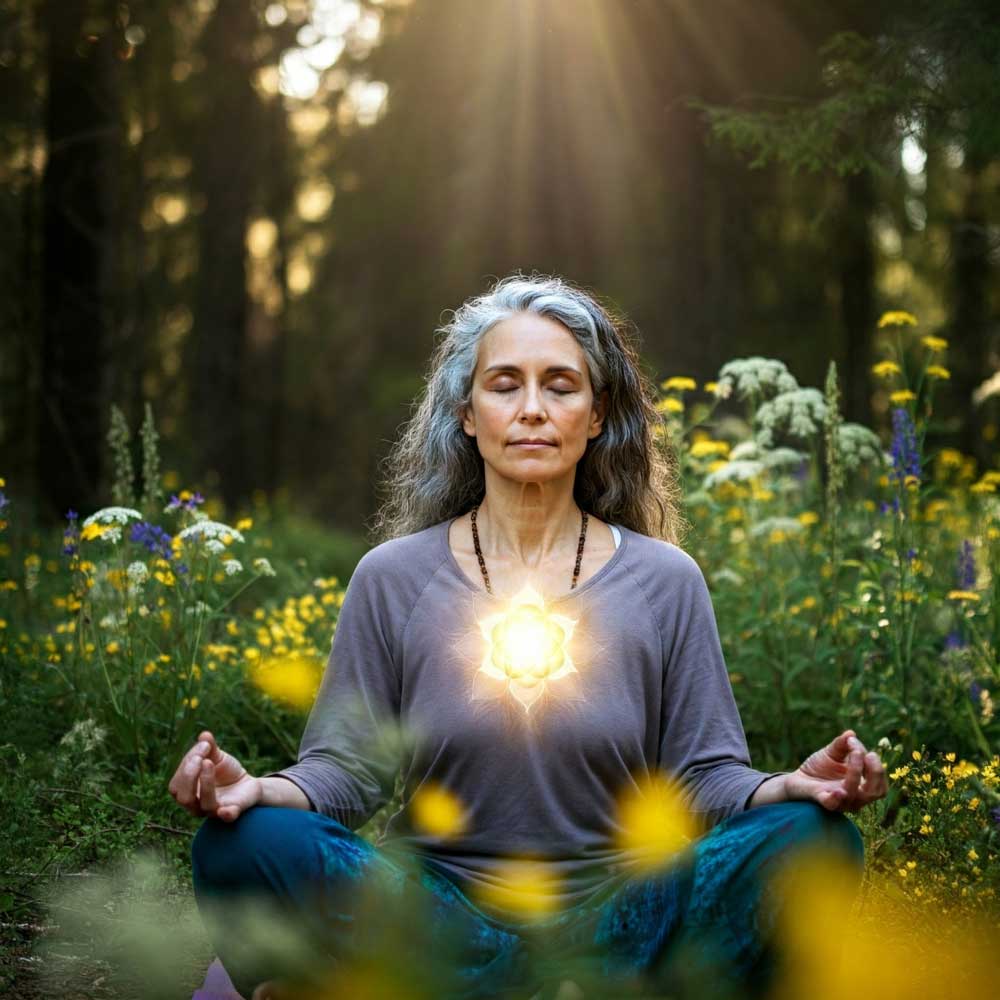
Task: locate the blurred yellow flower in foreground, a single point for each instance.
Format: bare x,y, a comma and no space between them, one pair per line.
292,680
962,595
437,811
902,396
525,887
934,343
936,371
831,947
654,822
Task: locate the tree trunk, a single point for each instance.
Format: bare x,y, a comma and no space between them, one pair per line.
82,130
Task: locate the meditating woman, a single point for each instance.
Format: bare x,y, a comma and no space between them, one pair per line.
527,644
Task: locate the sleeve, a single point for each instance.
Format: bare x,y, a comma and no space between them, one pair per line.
702,742
349,754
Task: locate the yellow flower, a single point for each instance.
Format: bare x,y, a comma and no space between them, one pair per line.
654,822
679,383
166,578
293,680
950,457
983,486
917,755
902,396
886,368
94,530
936,371
897,317
962,595
190,702
972,855
149,668
949,756
808,517
244,524
701,448
934,343
112,647
900,772
710,386
670,405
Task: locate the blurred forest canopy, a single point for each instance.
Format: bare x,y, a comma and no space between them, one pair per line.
254,215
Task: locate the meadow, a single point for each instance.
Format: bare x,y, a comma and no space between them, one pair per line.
855,581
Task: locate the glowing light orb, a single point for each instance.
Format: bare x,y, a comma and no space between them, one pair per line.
526,646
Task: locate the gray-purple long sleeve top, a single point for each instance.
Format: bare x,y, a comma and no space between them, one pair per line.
650,691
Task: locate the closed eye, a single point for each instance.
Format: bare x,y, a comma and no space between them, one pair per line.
562,392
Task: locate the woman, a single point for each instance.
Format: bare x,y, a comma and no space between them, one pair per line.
527,497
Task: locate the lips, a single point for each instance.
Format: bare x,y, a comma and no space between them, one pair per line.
536,441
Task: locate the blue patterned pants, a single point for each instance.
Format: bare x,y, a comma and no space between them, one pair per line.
696,928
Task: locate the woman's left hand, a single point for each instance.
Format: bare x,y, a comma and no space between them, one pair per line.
841,777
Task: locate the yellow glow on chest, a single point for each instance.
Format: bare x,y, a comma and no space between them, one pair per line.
526,646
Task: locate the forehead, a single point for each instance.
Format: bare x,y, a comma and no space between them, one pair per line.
528,340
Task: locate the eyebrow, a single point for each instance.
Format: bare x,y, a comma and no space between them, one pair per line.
548,371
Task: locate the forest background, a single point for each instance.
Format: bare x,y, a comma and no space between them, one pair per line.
245,221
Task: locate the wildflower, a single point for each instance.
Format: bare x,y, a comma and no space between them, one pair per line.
71,536
995,814
902,396
112,647
962,595
215,546
897,317
138,572
712,387
209,530
755,376
934,344
263,567
679,383
670,405
244,524
936,371
965,571
708,447
972,855
186,500
153,537
232,567
904,452
808,517
438,811
799,412
113,515
886,368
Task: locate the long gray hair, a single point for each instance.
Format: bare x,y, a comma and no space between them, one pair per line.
627,475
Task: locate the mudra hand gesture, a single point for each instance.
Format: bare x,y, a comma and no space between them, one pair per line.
841,777
210,782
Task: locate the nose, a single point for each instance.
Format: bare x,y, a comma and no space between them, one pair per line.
532,406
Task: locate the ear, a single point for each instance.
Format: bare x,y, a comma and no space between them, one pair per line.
468,420
600,411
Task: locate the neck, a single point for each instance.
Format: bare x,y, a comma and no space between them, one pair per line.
528,523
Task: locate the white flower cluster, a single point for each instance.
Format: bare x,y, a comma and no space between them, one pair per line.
739,469
728,575
799,413
138,573
209,530
858,445
85,736
198,608
789,525
113,515
215,546
263,567
755,376
774,458
114,619
232,567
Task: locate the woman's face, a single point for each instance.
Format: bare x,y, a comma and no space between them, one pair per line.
532,382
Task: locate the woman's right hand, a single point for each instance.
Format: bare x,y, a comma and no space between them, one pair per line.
210,782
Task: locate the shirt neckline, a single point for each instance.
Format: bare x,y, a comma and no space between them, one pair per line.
457,570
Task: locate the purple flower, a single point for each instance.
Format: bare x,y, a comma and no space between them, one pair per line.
191,503
3,500
884,507
974,689
954,640
911,554
965,571
995,813
153,537
71,536
905,455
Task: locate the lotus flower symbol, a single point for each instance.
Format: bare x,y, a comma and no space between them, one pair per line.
526,646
